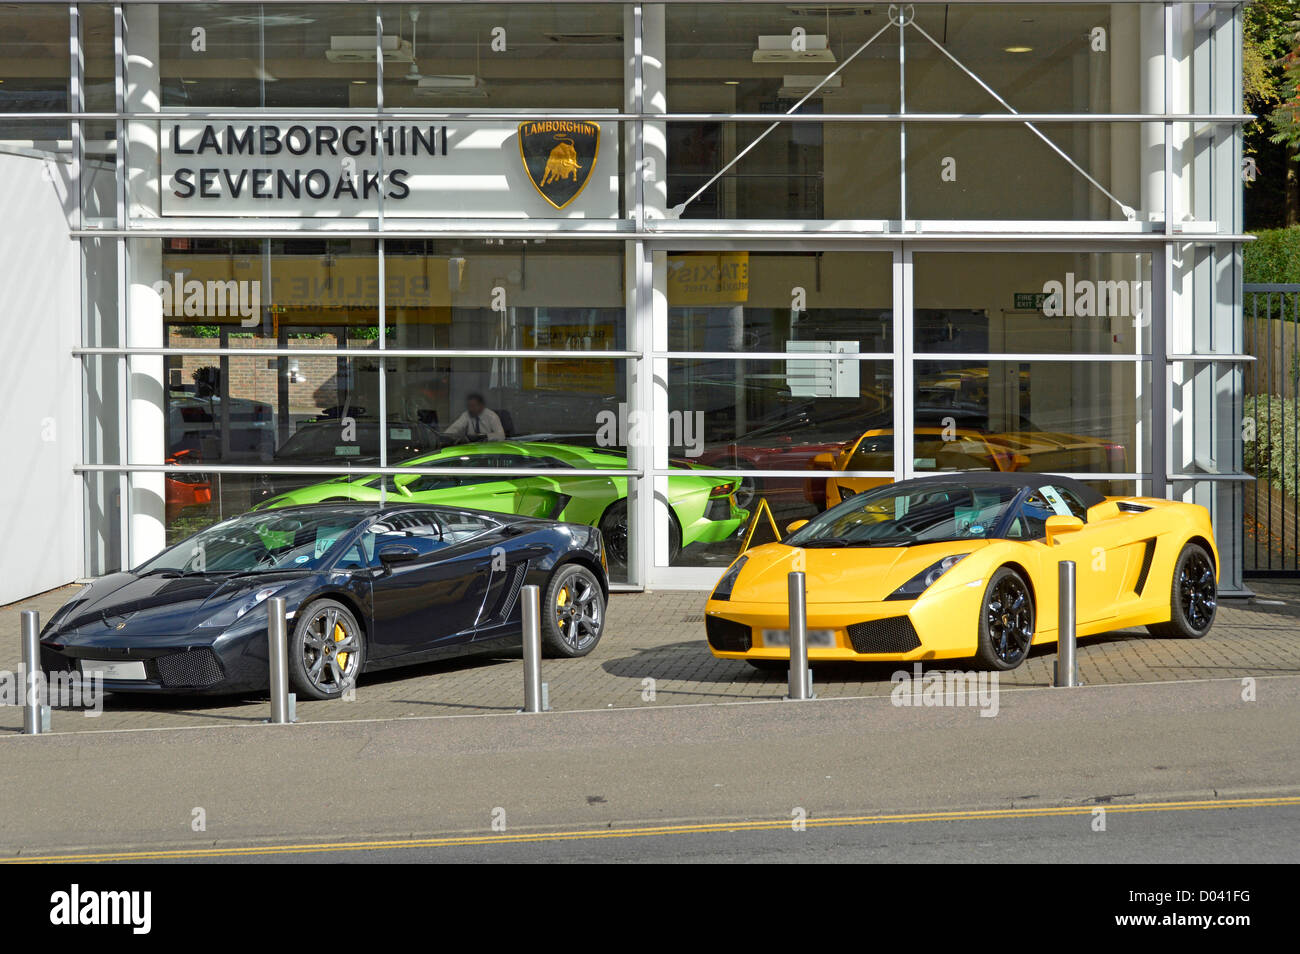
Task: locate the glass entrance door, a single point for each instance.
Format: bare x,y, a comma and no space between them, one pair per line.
790,379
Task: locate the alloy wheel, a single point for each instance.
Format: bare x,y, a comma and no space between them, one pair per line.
1196,590
330,651
578,609
1010,619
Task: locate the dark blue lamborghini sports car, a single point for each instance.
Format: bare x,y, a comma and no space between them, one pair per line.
365,588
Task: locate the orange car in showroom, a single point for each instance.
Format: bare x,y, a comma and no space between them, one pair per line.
940,450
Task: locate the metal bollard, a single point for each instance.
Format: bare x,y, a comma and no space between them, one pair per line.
533,686
1067,666
800,675
277,653
32,707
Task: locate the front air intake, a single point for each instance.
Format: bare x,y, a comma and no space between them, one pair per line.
195,669
895,634
727,635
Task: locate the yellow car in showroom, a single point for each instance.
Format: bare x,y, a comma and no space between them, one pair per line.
957,566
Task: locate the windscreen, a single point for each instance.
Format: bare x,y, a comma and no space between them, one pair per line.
890,516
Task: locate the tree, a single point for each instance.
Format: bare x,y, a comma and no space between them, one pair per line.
1270,73
1285,118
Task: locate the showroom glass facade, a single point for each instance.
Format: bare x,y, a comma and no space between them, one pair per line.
698,257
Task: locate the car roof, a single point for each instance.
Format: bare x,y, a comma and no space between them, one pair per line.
1020,478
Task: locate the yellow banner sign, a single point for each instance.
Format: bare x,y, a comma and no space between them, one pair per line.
709,278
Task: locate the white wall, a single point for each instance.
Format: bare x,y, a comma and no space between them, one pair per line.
40,404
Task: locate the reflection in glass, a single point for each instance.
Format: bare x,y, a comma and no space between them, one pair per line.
780,301
1043,302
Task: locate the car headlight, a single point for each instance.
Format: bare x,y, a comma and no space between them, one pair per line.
723,590
926,578
237,610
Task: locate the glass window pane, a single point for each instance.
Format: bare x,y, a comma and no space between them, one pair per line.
1013,302
749,58
34,69
795,171
580,402
780,301
992,171
1041,416
1037,57
515,295
236,55
264,293
505,55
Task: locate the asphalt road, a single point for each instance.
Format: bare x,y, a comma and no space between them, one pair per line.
1162,833
502,787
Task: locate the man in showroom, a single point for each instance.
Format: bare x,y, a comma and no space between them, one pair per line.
478,423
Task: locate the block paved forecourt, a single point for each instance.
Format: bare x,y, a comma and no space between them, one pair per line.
660,636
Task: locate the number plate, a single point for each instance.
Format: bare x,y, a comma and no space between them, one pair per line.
113,669
818,638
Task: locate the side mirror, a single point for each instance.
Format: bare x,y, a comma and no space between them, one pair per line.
396,553
1058,525
823,461
795,525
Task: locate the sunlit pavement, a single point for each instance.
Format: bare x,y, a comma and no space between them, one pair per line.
654,654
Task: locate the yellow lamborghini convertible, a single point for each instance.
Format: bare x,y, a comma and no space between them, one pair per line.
965,565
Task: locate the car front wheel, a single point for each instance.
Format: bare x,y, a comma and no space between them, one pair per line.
573,612
1006,626
326,651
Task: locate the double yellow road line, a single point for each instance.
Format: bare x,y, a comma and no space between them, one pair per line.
502,838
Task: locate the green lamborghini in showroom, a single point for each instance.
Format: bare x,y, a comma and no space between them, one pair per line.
703,508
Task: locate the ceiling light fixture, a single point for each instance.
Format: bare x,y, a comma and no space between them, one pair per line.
780,49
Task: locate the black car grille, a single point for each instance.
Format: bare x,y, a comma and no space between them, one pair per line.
893,635
191,670
727,635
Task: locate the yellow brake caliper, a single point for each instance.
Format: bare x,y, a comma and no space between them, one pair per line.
339,636
560,602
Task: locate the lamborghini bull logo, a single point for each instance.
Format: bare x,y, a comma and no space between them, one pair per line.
562,163
559,157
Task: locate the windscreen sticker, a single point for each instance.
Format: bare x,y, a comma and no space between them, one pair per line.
967,519
1059,506
325,538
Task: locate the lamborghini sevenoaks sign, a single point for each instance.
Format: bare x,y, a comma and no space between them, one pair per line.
480,169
